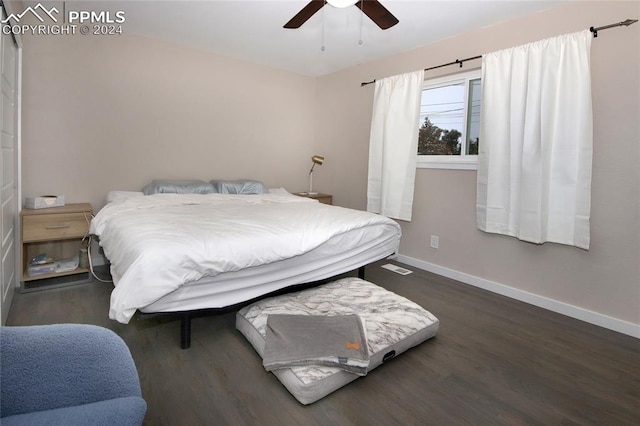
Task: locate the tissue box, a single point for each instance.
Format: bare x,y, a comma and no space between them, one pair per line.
44,202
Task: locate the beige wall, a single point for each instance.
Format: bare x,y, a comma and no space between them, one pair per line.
605,279
114,112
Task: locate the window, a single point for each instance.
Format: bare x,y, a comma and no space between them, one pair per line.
450,122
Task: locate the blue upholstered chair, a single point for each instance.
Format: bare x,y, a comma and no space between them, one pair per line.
67,374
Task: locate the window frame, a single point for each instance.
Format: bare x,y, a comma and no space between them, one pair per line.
463,161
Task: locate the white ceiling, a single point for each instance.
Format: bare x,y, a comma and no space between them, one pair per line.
252,30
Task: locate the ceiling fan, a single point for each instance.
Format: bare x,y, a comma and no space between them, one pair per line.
372,8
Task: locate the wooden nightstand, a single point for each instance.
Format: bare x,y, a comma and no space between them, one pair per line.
58,233
323,198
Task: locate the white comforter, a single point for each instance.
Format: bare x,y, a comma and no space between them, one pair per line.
158,243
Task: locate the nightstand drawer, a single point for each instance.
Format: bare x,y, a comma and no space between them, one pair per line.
54,227
325,199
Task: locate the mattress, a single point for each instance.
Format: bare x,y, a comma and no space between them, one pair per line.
179,252
393,324
340,254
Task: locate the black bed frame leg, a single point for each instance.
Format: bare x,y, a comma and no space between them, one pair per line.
361,272
185,331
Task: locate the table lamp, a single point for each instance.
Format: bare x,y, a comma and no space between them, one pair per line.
316,159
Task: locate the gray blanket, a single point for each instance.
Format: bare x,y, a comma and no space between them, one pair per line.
334,341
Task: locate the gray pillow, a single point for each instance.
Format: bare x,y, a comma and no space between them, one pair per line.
185,186
240,186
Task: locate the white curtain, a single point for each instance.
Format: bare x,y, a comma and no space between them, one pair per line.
393,147
536,137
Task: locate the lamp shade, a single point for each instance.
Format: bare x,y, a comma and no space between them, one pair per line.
317,159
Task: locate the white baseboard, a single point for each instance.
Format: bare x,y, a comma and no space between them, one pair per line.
572,311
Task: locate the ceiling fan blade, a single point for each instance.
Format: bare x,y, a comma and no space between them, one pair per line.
307,12
378,13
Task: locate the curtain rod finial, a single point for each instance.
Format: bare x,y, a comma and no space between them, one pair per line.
625,23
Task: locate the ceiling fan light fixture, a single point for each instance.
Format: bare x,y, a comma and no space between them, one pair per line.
372,8
342,3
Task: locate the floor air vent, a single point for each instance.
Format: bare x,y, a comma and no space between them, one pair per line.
397,269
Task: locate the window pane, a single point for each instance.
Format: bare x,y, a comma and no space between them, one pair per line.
442,120
473,117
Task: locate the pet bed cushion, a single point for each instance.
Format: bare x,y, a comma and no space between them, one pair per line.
393,324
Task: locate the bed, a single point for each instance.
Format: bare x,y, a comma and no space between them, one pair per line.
184,253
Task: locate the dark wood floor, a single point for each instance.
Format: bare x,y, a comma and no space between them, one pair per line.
494,361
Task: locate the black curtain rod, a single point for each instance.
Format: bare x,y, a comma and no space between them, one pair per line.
457,61
625,23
